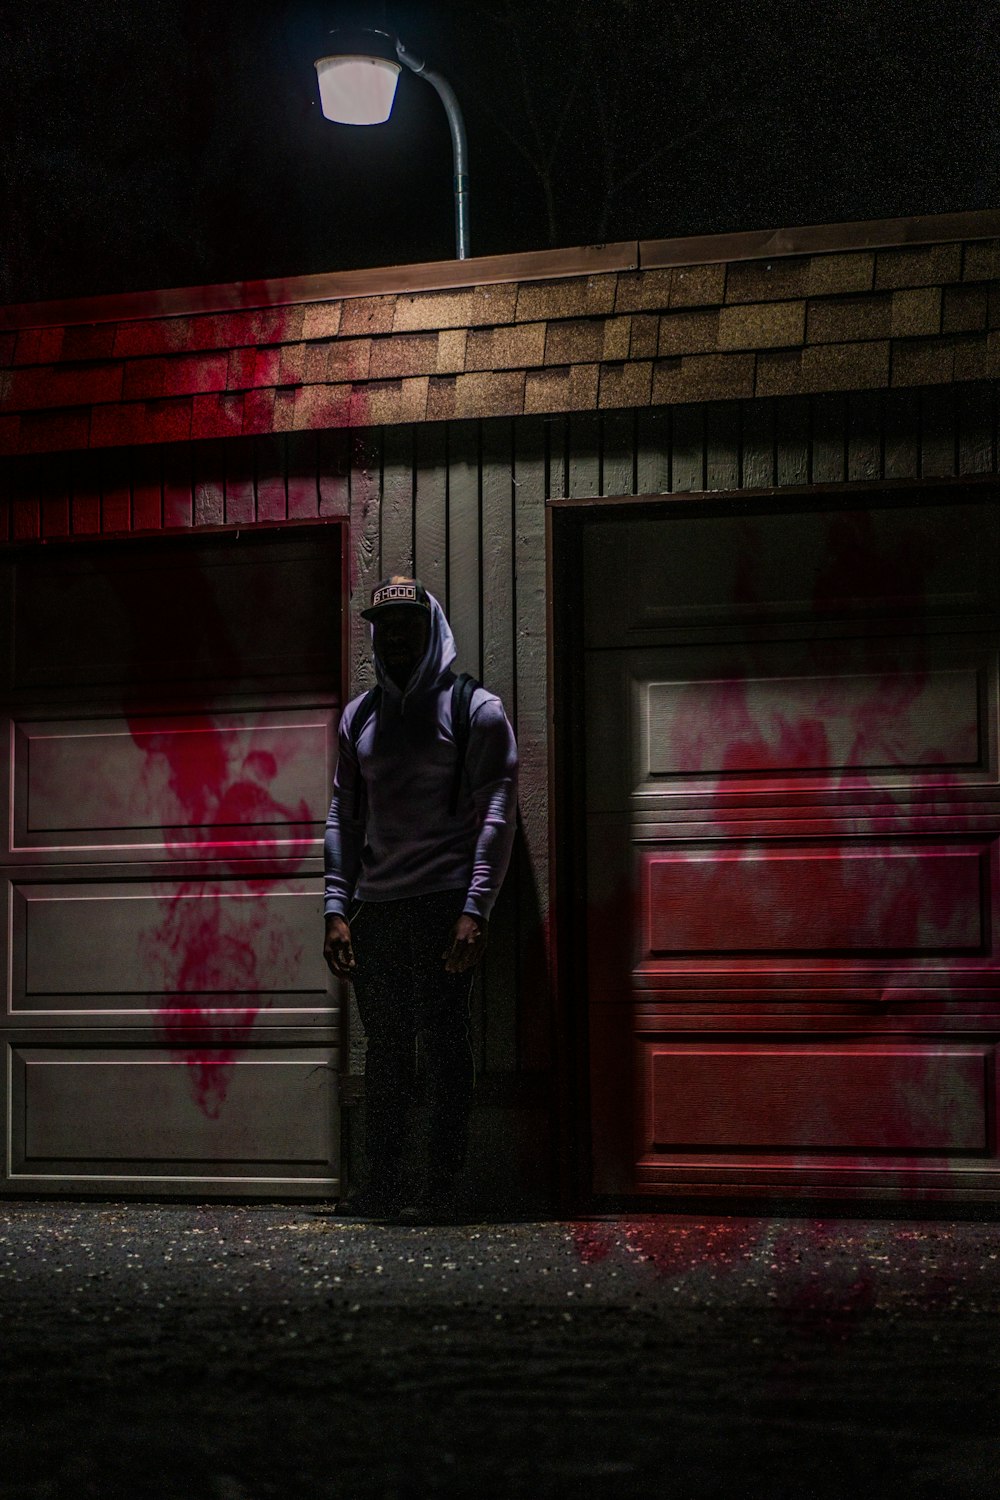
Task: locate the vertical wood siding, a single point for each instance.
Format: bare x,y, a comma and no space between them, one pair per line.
462,505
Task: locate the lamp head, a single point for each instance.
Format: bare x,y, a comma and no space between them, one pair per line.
357,77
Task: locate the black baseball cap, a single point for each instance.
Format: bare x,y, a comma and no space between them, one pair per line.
396,593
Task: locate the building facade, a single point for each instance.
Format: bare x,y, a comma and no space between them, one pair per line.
718,521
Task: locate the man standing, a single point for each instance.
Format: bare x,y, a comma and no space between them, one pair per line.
418,840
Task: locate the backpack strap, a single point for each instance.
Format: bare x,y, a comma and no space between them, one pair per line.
461,701
369,705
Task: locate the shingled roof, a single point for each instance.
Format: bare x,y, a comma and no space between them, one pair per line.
845,307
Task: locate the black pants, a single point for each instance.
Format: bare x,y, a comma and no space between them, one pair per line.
403,993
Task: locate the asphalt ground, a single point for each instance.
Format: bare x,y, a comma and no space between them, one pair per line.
244,1352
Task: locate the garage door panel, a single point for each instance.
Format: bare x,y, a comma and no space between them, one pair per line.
174,613
170,781
775,726
888,1099
869,996
794,721
880,814
821,1013
902,897
907,562
138,946
913,1180
844,921
136,1112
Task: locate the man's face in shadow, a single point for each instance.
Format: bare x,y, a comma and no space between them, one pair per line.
400,641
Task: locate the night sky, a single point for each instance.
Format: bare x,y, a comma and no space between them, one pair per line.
157,143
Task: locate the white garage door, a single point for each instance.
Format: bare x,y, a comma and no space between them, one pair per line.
171,714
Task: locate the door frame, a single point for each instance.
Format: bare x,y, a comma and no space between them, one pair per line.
565,519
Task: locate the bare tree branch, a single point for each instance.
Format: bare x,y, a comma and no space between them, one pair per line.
619,51
563,120
668,149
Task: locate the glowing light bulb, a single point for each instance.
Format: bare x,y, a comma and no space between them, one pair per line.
356,90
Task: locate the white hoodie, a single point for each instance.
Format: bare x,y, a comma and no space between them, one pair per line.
406,842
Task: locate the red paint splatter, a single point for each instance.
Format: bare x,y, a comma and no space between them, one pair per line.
820,1272
836,861
593,1243
217,938
211,775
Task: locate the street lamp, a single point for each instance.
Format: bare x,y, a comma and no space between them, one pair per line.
357,84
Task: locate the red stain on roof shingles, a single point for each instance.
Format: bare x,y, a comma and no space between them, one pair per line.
166,367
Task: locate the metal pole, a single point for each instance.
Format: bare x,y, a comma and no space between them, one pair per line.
458,143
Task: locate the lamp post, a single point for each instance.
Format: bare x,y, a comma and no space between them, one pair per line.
357,85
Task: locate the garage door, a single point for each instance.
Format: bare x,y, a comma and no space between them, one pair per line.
170,726
793,812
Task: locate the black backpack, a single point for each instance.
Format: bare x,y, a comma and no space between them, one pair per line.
462,690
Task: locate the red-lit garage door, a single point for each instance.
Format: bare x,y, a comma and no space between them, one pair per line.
171,715
793,813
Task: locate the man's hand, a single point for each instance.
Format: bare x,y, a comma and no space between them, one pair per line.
337,948
467,945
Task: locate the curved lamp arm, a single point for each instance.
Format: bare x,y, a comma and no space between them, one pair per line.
458,143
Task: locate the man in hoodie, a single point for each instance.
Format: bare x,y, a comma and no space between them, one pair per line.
410,884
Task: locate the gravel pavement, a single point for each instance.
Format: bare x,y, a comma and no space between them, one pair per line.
248,1352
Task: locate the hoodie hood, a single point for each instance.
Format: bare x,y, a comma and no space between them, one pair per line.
432,666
